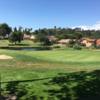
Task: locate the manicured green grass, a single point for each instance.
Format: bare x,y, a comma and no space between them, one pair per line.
30,65
49,61
6,43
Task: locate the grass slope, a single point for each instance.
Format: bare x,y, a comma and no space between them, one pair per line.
30,65
49,61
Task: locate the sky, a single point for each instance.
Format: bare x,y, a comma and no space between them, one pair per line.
49,13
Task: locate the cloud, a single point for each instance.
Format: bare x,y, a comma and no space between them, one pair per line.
91,27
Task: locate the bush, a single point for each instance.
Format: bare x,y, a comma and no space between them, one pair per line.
71,43
57,46
77,47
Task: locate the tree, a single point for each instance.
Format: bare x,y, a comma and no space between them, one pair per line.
16,36
27,31
5,30
42,37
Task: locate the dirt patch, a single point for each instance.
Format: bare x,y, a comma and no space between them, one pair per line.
5,57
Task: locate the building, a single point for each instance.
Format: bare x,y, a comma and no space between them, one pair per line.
64,41
87,42
29,37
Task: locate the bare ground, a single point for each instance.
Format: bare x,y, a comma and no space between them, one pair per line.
4,57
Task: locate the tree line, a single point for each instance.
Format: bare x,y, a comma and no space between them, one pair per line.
65,33
16,34
69,33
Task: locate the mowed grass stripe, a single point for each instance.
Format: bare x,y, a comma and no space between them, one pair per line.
59,56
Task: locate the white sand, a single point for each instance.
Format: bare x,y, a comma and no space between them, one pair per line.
5,57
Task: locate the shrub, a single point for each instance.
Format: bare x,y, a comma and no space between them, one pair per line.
71,43
77,47
57,46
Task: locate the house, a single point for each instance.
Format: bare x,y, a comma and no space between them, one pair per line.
52,38
97,42
29,37
87,42
32,37
26,37
64,41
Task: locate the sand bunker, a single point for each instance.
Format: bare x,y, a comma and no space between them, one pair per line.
4,57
